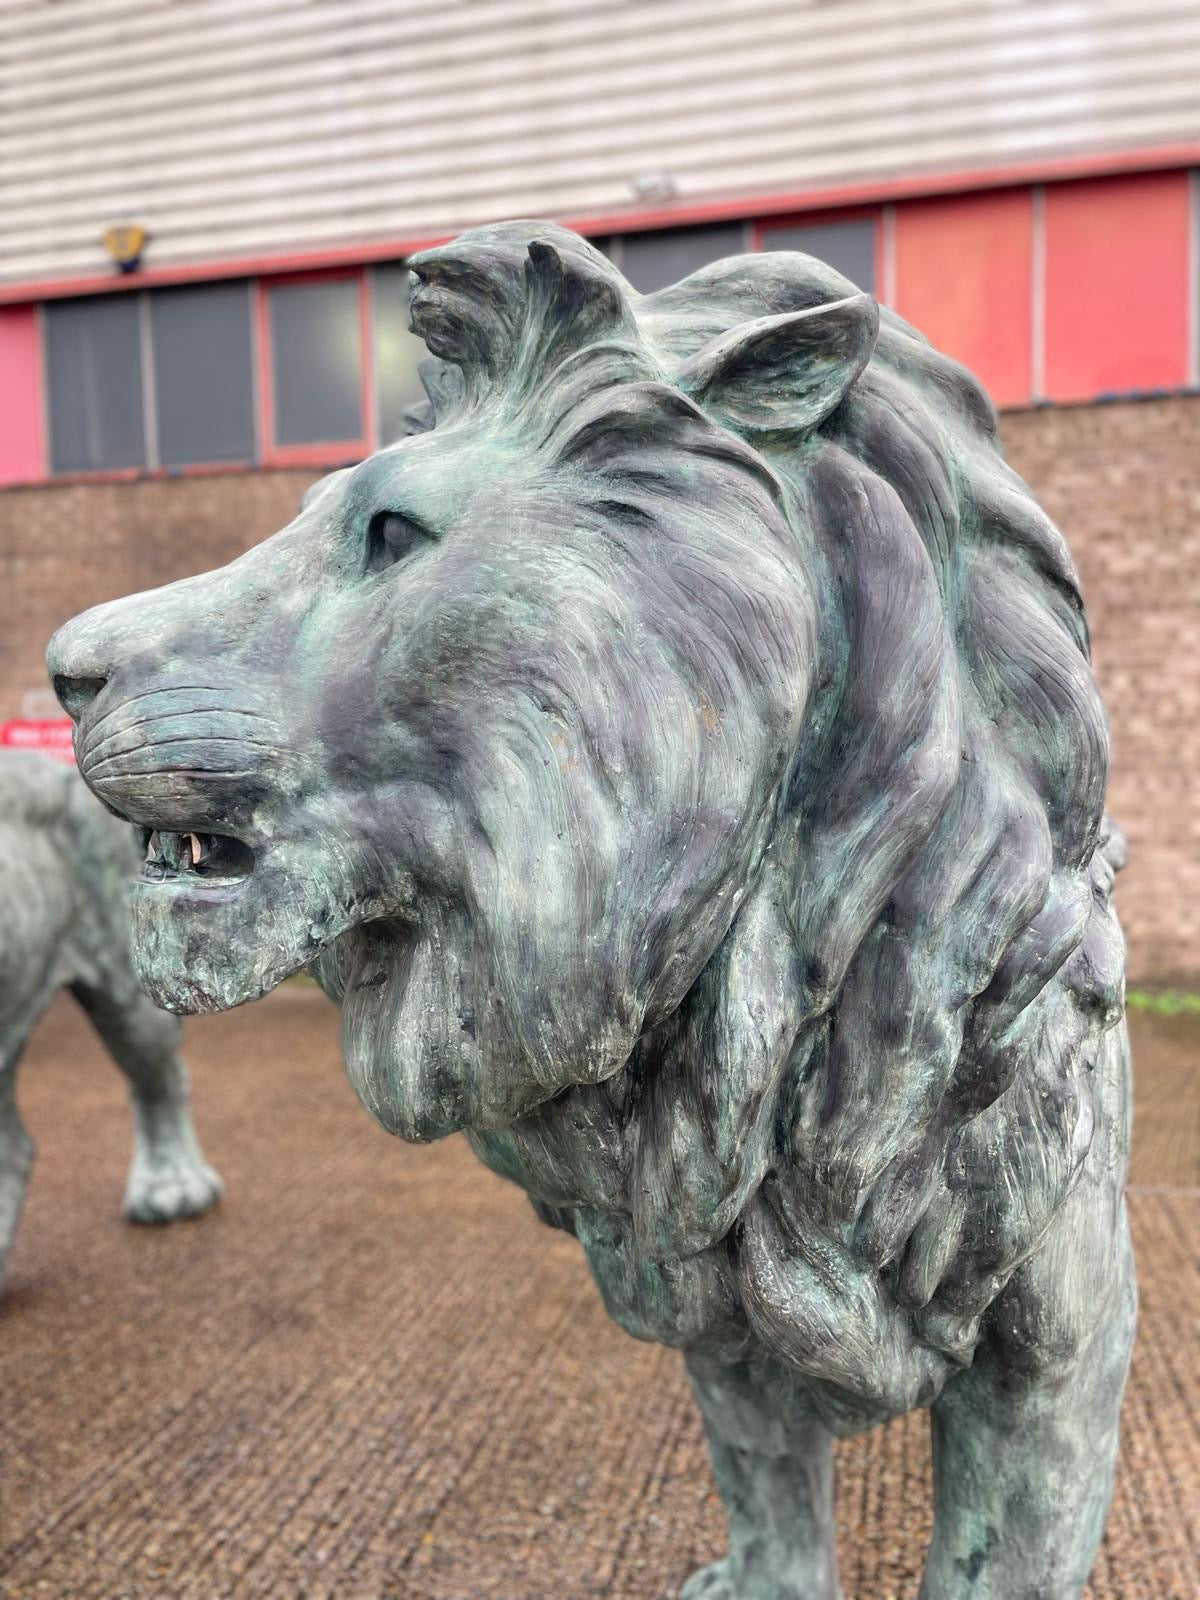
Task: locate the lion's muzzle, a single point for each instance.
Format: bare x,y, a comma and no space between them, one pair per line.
179,758
181,730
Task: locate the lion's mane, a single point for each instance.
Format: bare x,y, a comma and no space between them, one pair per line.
869,1107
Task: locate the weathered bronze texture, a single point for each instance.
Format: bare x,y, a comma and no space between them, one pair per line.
64,868
680,758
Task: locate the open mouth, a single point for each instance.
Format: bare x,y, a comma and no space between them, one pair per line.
214,856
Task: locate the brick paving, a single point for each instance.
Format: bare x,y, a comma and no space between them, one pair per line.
372,1375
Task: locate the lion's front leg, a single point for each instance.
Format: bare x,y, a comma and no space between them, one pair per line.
168,1176
1024,1449
774,1471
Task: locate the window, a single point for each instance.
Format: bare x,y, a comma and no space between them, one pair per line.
653,260
94,374
848,246
317,362
203,387
398,352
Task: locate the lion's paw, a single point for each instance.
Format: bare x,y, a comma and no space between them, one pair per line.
171,1188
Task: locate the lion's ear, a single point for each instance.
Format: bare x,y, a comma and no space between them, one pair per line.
783,374
572,302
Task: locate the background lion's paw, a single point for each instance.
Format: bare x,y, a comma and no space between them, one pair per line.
179,1186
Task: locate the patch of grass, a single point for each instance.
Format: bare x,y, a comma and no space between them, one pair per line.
1168,1003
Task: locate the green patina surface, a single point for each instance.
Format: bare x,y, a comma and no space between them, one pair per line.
680,758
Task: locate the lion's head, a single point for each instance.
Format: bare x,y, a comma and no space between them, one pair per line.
504,714
681,757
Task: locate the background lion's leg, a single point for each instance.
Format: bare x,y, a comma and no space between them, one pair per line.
1024,1449
774,1468
168,1176
16,1147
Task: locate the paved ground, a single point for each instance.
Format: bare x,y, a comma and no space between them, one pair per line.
372,1374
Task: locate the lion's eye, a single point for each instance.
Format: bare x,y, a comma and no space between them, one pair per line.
390,537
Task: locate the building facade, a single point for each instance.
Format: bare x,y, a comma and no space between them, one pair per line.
1018,179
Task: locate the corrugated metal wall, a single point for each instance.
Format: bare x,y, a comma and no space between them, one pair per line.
243,127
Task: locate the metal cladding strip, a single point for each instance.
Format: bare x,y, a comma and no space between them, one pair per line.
238,130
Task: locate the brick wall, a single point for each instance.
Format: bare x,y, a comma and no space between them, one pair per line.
1123,482
64,548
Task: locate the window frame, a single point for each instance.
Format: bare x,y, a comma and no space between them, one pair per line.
324,452
154,466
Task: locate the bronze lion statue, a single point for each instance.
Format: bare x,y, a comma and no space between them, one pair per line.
681,760
64,924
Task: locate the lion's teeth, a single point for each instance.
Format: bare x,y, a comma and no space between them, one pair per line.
178,852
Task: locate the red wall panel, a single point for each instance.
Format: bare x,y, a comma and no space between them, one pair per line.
22,457
964,274
1116,285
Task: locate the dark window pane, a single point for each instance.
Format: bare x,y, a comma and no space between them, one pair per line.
93,361
316,362
848,246
398,352
202,382
653,260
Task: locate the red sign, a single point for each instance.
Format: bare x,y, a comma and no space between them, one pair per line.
52,736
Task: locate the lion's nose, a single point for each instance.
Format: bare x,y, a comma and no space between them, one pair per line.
76,671
75,694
